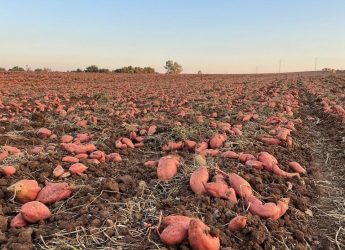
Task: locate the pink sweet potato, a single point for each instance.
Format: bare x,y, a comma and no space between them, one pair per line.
200,238
171,219
220,190
18,221
229,154
174,234
297,167
255,164
58,171
198,177
54,192
167,167
78,168
35,211
70,159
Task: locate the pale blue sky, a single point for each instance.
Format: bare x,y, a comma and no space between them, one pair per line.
214,36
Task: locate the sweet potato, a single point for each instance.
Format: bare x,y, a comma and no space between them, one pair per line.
54,192
220,190
255,164
268,160
151,163
167,167
174,234
297,167
282,133
229,154
278,171
58,171
25,190
197,178
81,156
210,152
99,155
8,170
11,150
18,221
66,138
83,138
237,223
267,210
44,133
201,146
114,157
283,205
78,168
200,238
152,129
270,141
171,219
127,142
35,211
218,178
245,157
190,145
240,185
217,141
70,159
236,131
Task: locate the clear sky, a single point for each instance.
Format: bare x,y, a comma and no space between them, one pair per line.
215,36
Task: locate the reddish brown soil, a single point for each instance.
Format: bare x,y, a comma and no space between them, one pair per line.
109,209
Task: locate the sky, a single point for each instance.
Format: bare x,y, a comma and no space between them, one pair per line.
214,36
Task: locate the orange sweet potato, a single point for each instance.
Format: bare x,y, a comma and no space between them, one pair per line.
200,238
18,221
174,234
245,157
78,168
201,146
3,156
152,129
278,171
25,190
54,192
167,167
197,178
240,185
237,223
220,190
217,141
151,164
268,160
255,164
297,167
283,205
114,157
267,210
190,145
58,171
35,211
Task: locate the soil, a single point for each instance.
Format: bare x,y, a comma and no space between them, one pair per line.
114,201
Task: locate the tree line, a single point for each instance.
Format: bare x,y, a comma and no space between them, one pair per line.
170,66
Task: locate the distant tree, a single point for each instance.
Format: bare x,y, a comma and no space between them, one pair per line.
16,68
43,70
173,67
135,70
92,68
199,72
103,70
2,69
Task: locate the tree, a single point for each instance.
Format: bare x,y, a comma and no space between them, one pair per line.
16,68
173,67
92,68
2,69
135,70
199,72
